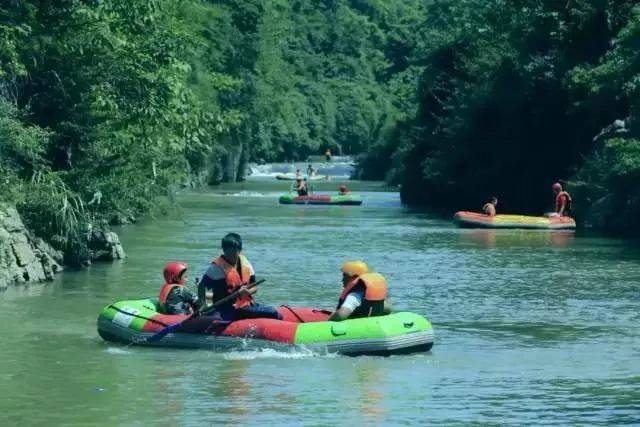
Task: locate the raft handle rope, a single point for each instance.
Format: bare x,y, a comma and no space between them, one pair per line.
294,313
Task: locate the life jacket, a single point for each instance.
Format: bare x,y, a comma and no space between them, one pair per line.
568,205
235,280
374,295
165,290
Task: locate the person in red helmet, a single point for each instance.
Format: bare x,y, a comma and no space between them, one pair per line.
174,297
563,200
343,190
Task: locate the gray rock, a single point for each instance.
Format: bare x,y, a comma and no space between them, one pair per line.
105,246
23,258
226,165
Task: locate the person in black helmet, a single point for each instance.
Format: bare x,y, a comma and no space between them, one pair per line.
228,273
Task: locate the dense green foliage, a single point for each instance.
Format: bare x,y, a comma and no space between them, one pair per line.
510,99
107,105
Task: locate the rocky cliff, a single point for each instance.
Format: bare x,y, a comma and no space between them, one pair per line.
24,258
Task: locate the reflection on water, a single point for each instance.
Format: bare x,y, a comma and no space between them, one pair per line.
369,378
532,327
232,383
491,238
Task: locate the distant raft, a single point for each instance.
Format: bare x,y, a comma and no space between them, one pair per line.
320,199
292,177
477,220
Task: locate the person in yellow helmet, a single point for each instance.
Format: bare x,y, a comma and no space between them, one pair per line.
363,294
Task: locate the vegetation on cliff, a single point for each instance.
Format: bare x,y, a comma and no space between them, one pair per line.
515,95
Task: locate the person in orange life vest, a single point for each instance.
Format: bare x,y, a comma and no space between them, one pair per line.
343,190
174,297
563,200
228,273
490,207
363,293
301,187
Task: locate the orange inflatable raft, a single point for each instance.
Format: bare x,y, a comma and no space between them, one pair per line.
478,220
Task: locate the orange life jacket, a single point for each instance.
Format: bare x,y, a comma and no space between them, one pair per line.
235,280
165,290
568,202
374,295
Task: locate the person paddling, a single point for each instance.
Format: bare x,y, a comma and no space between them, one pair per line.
490,207
563,200
231,272
363,293
301,187
174,297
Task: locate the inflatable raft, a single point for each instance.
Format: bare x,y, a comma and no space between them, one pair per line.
475,220
292,177
320,199
135,321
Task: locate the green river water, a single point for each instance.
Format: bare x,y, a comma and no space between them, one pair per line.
530,327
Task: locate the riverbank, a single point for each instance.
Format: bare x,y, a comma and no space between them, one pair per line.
25,258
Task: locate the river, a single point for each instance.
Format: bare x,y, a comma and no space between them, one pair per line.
530,327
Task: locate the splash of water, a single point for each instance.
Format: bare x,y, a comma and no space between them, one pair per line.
269,353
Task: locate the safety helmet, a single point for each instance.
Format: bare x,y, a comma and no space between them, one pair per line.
556,187
355,268
173,272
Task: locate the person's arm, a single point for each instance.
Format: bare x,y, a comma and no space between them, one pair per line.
341,314
212,279
205,289
202,293
351,302
252,279
388,308
191,298
563,205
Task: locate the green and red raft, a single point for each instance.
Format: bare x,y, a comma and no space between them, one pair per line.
135,321
320,199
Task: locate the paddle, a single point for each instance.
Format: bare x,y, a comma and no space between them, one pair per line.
162,333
